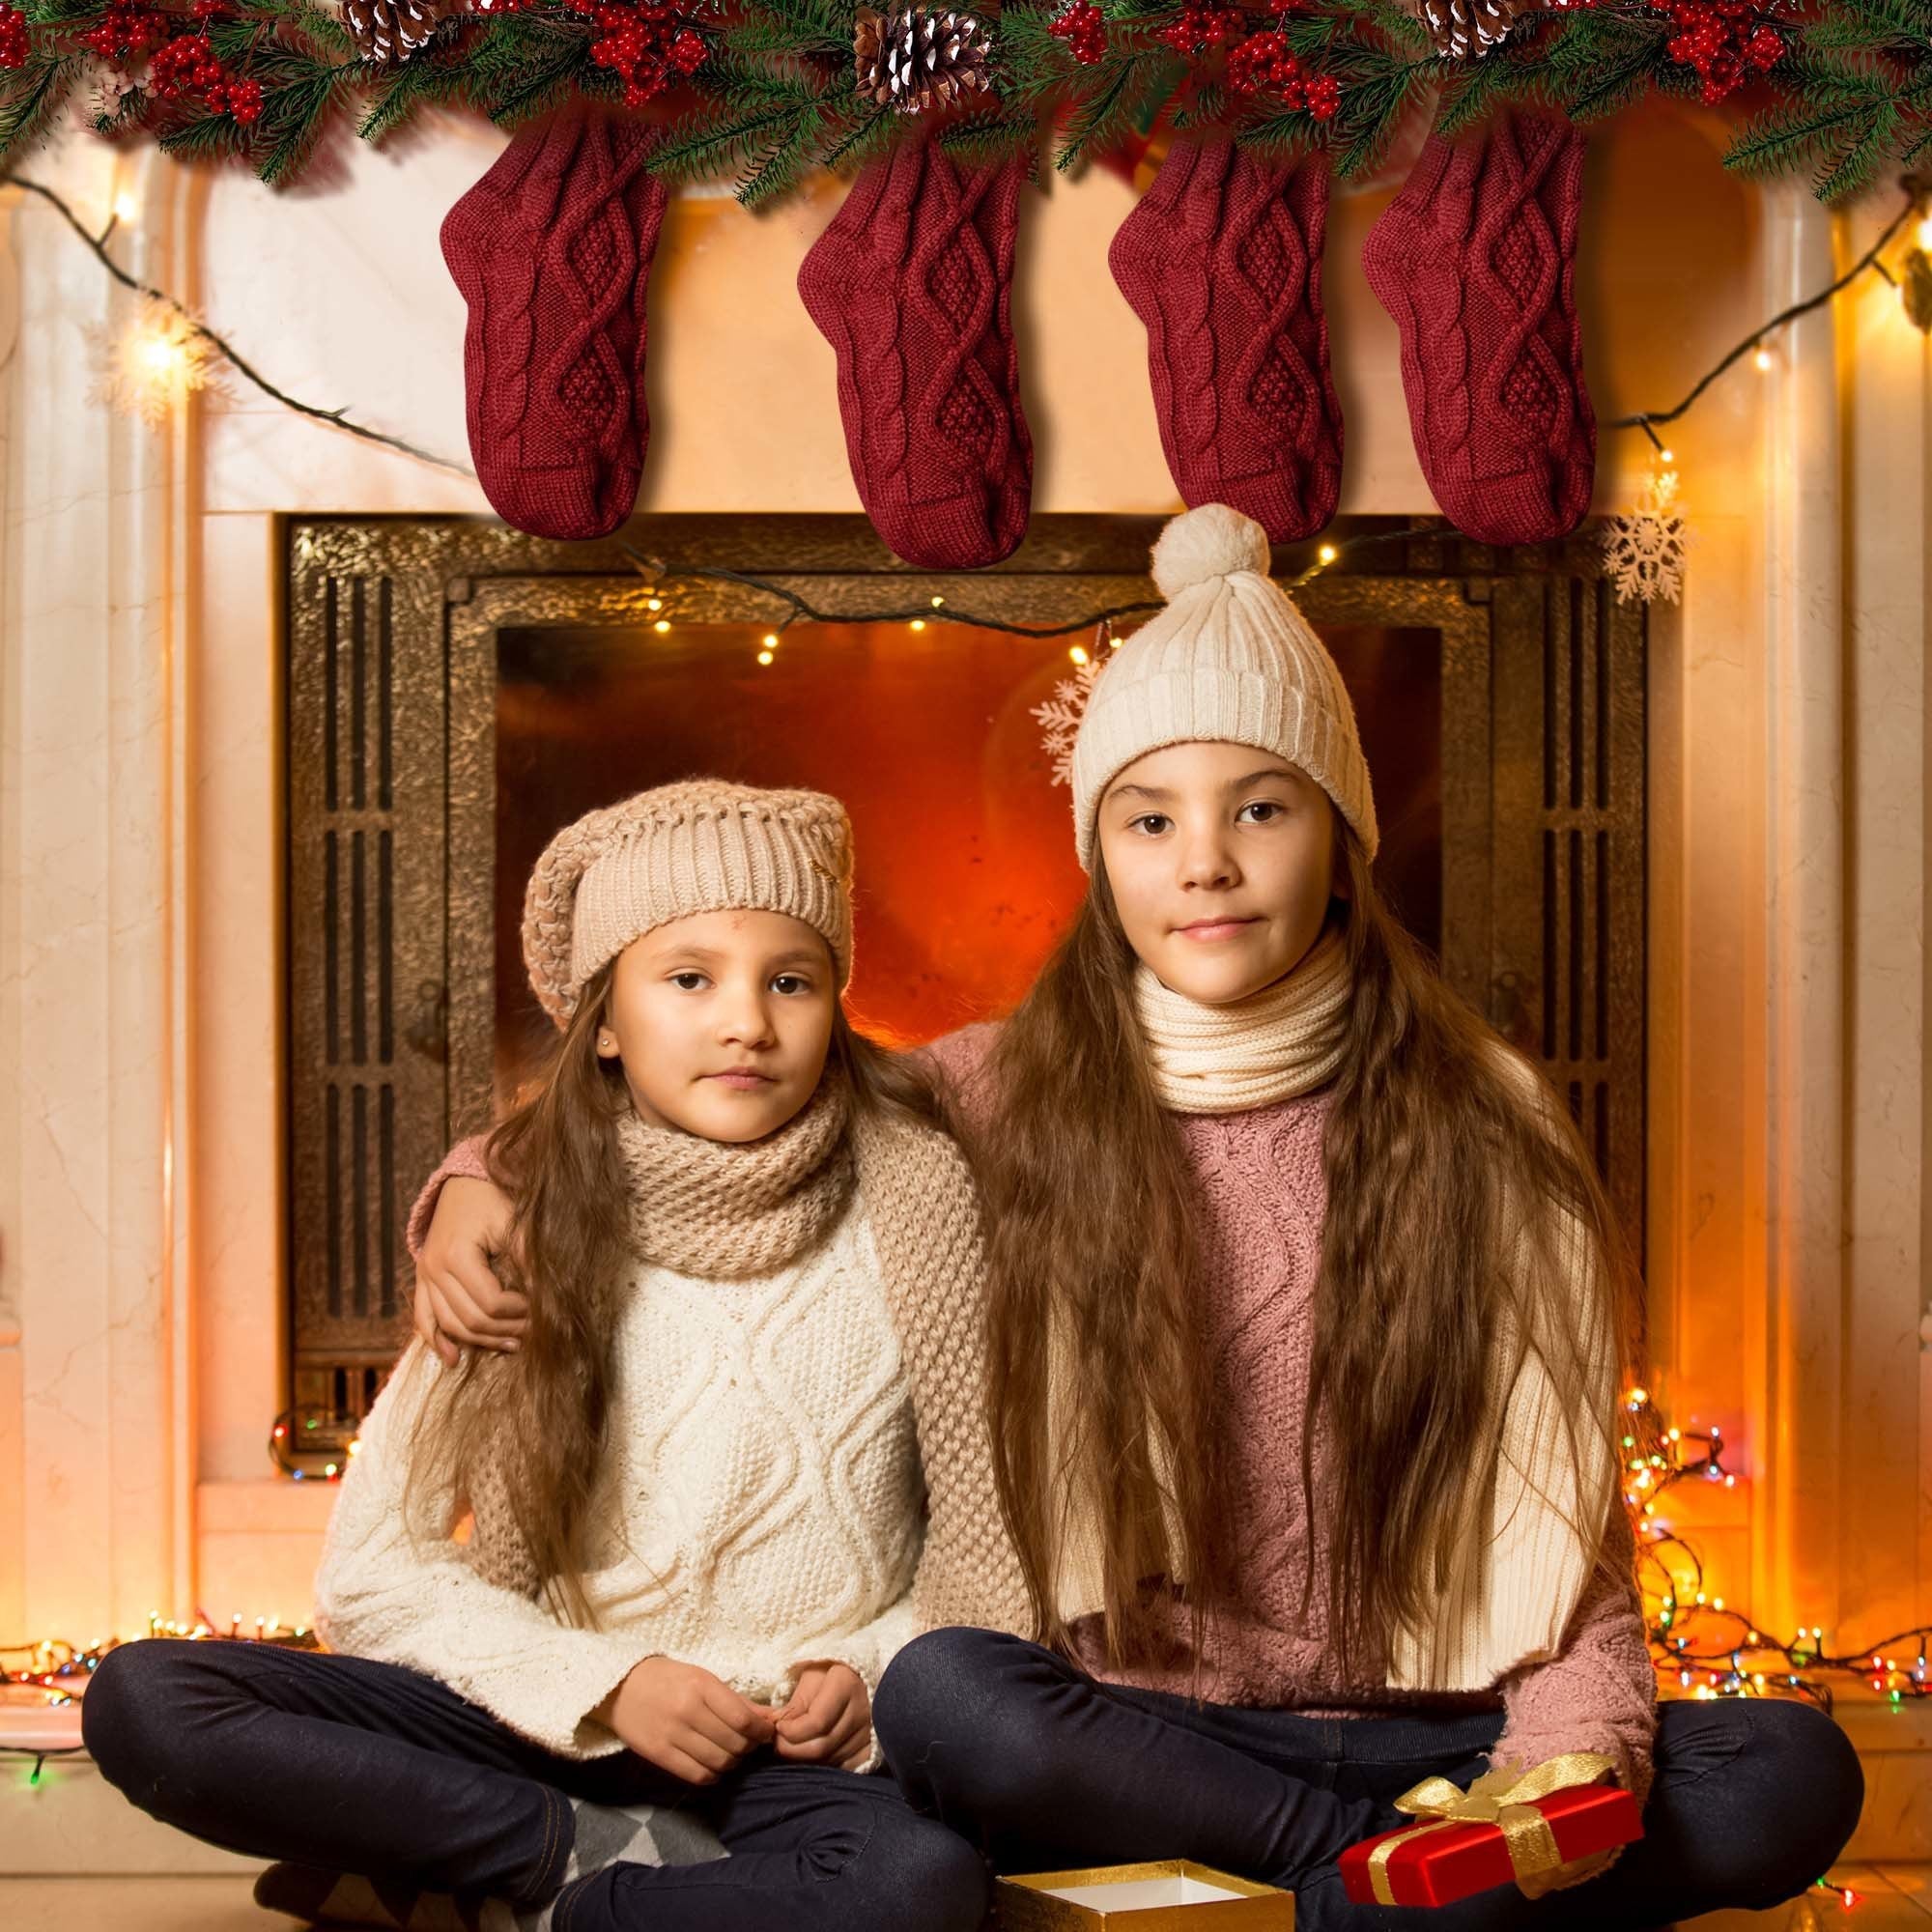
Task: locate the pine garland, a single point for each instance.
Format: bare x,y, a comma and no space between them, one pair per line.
761,92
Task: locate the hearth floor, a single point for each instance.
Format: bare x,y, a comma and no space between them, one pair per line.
1889,1898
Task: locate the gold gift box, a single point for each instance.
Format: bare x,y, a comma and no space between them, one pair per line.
1168,1895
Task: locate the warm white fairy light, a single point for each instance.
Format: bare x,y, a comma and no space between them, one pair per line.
771,641
125,207
158,362
662,625
1078,653
918,623
1762,358
767,657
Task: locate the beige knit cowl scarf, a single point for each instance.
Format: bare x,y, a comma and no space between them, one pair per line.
721,1209
716,1211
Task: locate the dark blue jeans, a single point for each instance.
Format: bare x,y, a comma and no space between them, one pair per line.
353,1766
1020,1750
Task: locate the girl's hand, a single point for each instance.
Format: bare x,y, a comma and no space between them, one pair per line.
829,1720
684,1720
460,1303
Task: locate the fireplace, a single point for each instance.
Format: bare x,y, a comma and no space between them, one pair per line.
456,692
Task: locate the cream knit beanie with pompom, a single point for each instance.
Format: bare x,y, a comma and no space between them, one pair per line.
702,845
1229,659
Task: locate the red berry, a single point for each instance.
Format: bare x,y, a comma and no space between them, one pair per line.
13,37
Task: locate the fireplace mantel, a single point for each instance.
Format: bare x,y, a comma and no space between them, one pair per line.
141,976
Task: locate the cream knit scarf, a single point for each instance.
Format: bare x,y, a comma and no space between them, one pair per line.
1284,1041
722,1210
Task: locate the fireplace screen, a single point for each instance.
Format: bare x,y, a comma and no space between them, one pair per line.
458,691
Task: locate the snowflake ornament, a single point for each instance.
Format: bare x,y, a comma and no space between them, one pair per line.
1643,549
1061,714
156,362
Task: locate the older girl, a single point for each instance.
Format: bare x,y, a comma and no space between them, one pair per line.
731,1472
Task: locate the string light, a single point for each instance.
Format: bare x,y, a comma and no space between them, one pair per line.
125,209
156,362
662,626
1078,653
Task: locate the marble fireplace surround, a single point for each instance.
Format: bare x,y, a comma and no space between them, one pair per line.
141,977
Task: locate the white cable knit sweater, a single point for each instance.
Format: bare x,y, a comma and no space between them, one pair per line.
763,1492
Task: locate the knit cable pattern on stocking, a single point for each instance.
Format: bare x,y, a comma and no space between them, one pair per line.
1475,260
551,250
912,285
1222,261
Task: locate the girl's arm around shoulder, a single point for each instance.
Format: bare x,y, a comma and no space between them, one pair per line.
960,1060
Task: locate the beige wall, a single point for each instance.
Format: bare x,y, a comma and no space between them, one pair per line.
140,1257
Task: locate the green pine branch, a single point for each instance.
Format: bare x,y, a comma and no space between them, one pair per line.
563,68
710,142
1372,109
1902,24
1108,115
989,140
33,95
1492,83
863,141
292,121
421,82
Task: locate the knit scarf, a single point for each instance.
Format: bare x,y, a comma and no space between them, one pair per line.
722,1210
1284,1041
718,1211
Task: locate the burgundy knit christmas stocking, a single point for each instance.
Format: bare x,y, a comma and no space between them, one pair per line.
551,250
912,286
1222,261
1475,260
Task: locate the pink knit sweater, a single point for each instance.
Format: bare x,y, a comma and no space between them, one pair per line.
1262,1196
1264,1193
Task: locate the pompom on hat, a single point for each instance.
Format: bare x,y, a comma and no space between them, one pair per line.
701,845
1232,660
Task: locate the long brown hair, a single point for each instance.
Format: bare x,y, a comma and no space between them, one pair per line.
533,1426
1440,1159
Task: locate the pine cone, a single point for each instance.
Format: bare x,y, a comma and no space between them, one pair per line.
388,30
1467,29
919,57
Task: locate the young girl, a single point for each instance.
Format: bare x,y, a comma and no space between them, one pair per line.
1305,1330
697,1489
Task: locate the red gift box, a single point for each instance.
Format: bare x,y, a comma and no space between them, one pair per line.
1438,1863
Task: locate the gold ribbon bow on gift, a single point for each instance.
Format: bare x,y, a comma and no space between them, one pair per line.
1506,1799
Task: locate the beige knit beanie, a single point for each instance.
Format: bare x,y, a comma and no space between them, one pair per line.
1231,659
702,845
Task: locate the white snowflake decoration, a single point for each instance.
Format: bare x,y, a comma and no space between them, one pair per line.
161,358
1643,549
1061,714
